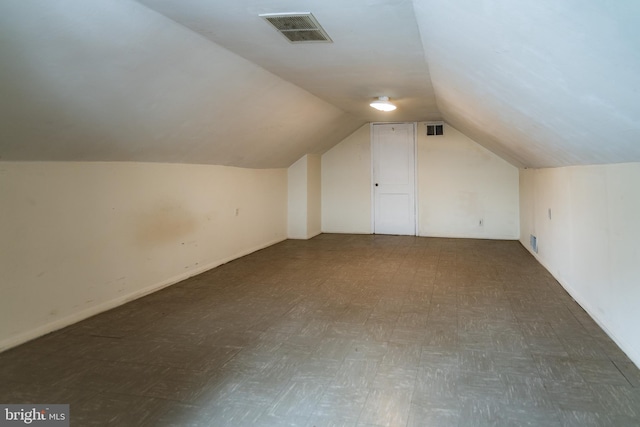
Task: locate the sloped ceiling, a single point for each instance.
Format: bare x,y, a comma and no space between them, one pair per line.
115,81
542,83
377,49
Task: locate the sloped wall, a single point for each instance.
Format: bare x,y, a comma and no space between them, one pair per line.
540,83
116,81
585,219
80,238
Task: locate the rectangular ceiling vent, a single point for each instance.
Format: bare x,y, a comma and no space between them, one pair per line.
299,27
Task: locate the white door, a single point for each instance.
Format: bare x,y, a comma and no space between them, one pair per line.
394,179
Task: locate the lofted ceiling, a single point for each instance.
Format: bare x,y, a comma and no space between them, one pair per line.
376,51
541,83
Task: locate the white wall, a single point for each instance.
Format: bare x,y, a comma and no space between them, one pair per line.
314,195
459,184
346,185
297,199
80,238
304,198
590,243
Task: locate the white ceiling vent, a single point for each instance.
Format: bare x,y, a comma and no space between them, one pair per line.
300,27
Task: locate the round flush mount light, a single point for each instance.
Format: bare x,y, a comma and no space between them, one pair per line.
383,104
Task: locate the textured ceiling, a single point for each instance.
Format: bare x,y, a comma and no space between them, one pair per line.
542,83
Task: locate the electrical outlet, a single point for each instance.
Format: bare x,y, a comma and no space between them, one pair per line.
237,211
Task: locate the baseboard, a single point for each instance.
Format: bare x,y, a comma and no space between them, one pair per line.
39,331
475,237
304,237
624,346
359,233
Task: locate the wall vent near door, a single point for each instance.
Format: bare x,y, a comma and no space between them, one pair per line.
533,241
299,27
435,128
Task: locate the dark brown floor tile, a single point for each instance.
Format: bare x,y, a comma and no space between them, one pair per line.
174,414
116,377
12,392
181,385
106,409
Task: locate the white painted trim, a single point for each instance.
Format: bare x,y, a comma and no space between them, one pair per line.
416,227
373,184
108,305
469,236
306,237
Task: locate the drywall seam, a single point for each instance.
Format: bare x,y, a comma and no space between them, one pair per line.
108,305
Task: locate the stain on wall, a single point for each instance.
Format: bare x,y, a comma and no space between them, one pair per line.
167,223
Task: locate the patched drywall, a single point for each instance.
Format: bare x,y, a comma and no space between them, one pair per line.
80,238
585,219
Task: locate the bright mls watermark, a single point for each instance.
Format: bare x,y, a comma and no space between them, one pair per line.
34,415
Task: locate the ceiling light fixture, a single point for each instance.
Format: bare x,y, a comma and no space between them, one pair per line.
383,104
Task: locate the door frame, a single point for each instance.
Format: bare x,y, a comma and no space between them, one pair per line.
415,175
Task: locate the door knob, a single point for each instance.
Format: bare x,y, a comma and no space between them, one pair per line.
376,184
